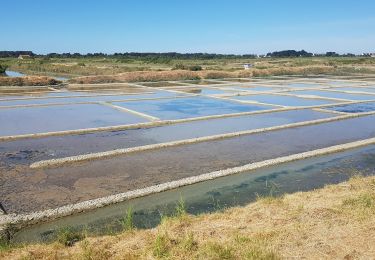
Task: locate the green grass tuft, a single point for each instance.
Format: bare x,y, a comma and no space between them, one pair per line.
218,251
68,236
364,201
180,209
127,222
161,246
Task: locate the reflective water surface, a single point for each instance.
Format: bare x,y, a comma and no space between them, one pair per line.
77,99
189,107
26,189
357,89
354,108
29,120
214,195
284,100
331,94
62,146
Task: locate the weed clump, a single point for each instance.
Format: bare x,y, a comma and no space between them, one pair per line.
3,68
68,237
180,66
161,246
363,201
218,251
127,222
180,209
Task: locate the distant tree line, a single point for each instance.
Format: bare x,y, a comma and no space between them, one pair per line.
6,54
152,55
289,53
303,53
168,56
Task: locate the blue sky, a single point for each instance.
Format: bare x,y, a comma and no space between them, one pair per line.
220,26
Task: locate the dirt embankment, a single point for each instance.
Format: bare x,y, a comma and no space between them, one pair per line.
141,76
28,81
336,222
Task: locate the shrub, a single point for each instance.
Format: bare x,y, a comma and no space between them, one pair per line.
3,68
179,66
195,68
4,245
68,236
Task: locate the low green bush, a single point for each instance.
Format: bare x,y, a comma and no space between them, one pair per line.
3,68
68,236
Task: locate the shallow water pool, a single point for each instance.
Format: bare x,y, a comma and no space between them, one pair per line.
30,120
331,94
214,195
284,100
72,99
357,89
354,108
35,189
62,146
189,107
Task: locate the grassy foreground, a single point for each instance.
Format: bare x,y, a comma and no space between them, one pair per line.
337,221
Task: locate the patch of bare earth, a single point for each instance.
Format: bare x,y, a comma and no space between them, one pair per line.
336,222
28,81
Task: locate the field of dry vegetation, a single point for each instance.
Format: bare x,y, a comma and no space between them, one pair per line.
141,76
104,70
28,81
336,222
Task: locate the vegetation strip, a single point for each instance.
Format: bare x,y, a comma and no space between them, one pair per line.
102,155
22,220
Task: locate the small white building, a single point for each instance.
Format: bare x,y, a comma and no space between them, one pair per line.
372,55
247,66
24,57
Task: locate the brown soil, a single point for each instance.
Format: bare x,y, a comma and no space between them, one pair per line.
28,81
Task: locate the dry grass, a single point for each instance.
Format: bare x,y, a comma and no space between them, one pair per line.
28,81
335,222
138,76
141,76
99,66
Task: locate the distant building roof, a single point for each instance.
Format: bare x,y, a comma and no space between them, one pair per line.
21,57
247,66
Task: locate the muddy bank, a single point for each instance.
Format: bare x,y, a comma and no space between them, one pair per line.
28,81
